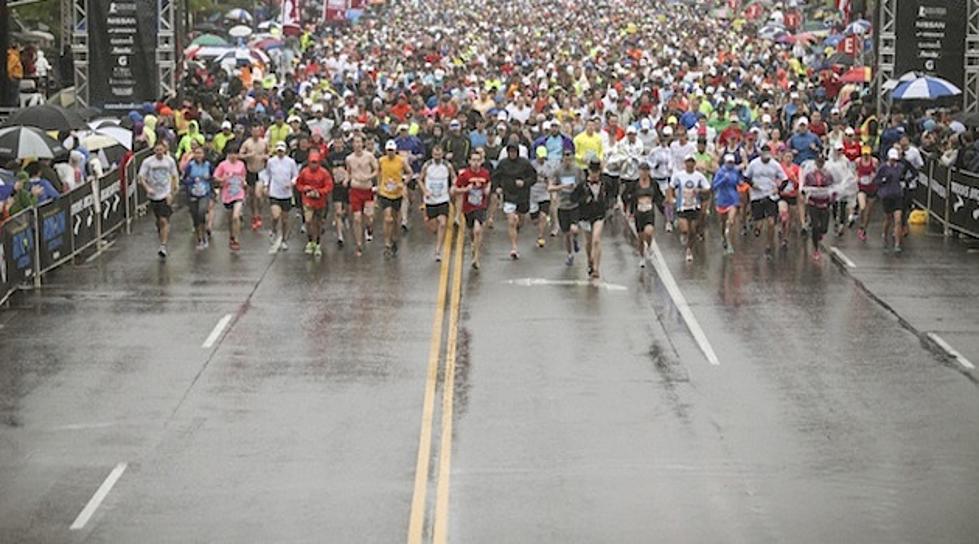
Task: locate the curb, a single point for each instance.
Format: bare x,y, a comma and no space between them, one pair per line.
948,356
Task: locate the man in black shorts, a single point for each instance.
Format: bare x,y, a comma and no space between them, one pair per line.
158,176
645,195
566,177
337,158
473,187
516,175
594,197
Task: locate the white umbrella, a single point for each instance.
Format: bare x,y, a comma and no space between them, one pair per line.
239,15
240,31
121,135
924,88
28,142
93,141
861,26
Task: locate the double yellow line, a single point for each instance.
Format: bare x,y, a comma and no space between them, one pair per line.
419,504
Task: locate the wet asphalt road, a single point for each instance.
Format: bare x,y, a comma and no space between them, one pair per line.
580,414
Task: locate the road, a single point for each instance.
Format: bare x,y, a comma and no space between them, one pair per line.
403,400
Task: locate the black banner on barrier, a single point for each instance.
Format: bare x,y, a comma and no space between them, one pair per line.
939,193
931,38
54,241
920,192
83,227
5,284
113,207
964,202
122,44
18,247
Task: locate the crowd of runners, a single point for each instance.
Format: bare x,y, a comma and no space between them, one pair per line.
543,116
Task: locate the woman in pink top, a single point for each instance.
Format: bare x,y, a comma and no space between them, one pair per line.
230,175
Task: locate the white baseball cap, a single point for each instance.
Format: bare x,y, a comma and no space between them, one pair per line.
645,124
766,118
689,157
849,131
390,146
346,126
893,154
546,125
802,121
667,131
226,125
630,129
281,146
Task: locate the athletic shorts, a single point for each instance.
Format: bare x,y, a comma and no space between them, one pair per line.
231,205
510,207
869,190
386,203
284,203
434,210
763,208
472,216
360,197
790,200
413,183
743,187
198,208
537,208
251,178
340,193
318,213
689,215
566,218
161,208
892,204
722,210
645,218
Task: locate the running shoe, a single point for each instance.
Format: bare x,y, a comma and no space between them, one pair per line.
310,247
816,255
162,252
394,247
438,257
897,249
768,253
689,256
514,255
317,250
642,262
256,224
475,265
569,260
200,245
404,227
234,245
540,242
862,235
275,245
574,242
283,246
669,226
370,235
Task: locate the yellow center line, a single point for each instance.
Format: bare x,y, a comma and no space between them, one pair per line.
440,531
416,523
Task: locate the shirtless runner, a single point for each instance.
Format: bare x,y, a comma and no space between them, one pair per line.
362,171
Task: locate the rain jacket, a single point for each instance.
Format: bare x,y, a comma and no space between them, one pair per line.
193,135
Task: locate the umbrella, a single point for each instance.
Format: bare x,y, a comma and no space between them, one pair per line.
93,141
208,27
239,15
840,59
98,124
240,31
860,74
209,39
860,26
47,117
924,88
88,113
834,40
266,25
268,44
122,136
771,31
968,119
28,142
243,57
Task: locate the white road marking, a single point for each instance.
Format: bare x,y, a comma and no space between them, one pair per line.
98,254
98,497
534,282
216,333
952,352
839,255
681,305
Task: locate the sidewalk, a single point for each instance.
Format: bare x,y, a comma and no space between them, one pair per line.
932,287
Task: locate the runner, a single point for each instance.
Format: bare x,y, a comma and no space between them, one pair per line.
845,177
515,175
281,171
727,199
765,176
362,171
631,151
688,189
339,150
646,194
563,183
437,178
315,184
866,170
158,176
540,197
891,194
230,174
594,198
473,184
789,203
819,196
254,151
393,170
197,183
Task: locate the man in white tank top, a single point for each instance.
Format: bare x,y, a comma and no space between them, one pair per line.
437,177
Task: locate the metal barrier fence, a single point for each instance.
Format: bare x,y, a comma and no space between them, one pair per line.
39,240
950,196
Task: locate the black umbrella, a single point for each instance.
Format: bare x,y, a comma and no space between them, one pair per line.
47,117
968,119
87,114
27,143
841,59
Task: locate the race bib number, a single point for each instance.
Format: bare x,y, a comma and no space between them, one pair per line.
567,181
475,197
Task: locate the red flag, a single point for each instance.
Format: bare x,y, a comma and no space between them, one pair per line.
291,13
844,6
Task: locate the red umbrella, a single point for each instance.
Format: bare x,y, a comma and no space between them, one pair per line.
859,74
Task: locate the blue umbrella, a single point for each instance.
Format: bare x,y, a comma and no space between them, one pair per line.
924,88
860,26
239,15
834,40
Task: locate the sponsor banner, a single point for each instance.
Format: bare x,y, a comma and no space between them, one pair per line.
18,248
122,44
84,229
54,238
111,197
963,199
931,39
334,10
